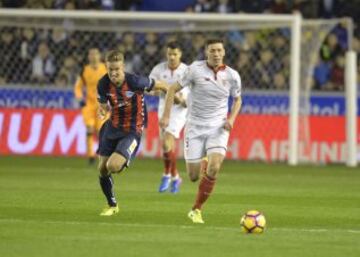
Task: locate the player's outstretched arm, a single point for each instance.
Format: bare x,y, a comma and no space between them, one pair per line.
160,86
153,92
235,108
169,101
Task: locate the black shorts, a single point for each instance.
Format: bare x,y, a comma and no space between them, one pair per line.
125,144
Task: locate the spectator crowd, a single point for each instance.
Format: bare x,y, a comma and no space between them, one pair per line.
55,56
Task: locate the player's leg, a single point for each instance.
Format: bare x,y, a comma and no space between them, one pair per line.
106,148
171,134
171,176
216,149
208,181
194,151
107,184
107,166
124,152
168,156
116,163
89,121
193,169
204,164
90,133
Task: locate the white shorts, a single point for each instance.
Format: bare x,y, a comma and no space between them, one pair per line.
200,141
176,122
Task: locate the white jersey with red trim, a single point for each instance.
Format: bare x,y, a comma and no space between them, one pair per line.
162,72
209,92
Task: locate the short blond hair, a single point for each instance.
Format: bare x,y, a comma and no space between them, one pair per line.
114,55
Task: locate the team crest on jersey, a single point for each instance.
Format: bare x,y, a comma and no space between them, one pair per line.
129,94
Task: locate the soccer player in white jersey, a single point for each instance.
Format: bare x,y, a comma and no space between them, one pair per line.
171,71
208,124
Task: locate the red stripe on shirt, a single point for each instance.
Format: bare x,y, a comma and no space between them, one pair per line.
140,113
115,110
127,108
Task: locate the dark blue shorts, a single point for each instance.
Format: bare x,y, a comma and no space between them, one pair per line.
125,144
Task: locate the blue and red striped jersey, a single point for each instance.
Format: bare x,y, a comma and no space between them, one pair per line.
128,109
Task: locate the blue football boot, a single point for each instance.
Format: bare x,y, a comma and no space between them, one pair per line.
175,185
165,183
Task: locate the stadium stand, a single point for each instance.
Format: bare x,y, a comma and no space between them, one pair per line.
41,48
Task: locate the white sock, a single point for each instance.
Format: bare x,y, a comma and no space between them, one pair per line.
175,178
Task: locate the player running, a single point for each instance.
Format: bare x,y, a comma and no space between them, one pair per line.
85,93
207,129
169,72
121,133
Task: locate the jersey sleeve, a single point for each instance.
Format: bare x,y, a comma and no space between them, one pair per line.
142,83
235,90
101,92
187,77
155,73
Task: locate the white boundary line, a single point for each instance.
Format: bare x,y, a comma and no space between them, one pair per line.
135,225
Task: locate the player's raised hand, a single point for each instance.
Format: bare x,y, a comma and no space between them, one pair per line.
164,122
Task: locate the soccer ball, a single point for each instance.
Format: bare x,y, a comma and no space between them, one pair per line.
253,222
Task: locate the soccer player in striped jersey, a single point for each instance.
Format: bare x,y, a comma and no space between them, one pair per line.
122,94
170,71
85,93
208,124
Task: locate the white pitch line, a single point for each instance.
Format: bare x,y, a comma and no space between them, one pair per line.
319,230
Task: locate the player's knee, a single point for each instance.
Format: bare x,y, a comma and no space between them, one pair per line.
102,169
166,145
104,172
112,167
193,170
194,176
213,169
115,166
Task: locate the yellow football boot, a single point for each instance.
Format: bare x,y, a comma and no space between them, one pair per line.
195,216
109,211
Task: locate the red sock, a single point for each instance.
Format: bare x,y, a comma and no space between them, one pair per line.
205,188
167,162
173,168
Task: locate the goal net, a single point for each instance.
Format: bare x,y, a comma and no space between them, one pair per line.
45,50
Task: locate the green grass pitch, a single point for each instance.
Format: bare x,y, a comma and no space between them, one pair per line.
50,206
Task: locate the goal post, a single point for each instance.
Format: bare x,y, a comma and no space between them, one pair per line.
351,109
274,54
294,90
